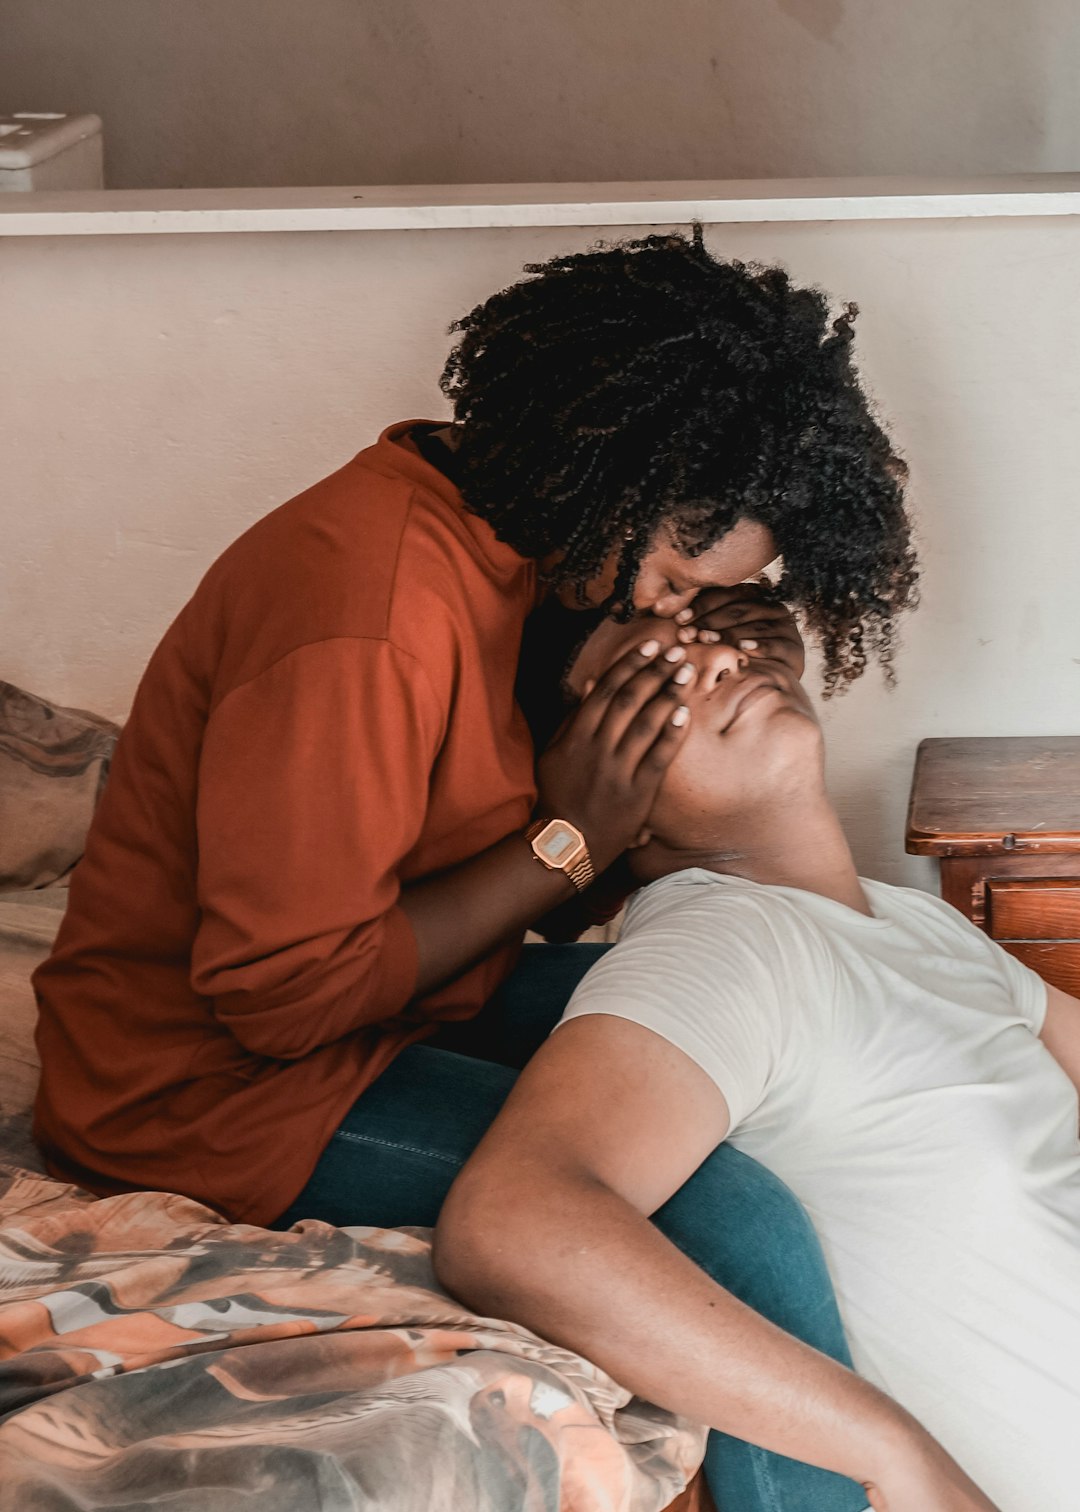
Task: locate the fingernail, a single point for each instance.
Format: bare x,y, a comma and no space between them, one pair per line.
681,715
708,637
684,616
687,634
748,645
649,648
674,653
684,675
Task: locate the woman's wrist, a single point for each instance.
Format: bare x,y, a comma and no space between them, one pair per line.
603,852
560,846
463,913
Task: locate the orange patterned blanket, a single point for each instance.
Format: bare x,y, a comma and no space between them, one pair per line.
153,1355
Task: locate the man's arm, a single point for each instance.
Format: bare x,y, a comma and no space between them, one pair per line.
1060,1032
547,1225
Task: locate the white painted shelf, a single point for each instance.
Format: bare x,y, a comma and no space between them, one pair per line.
426,207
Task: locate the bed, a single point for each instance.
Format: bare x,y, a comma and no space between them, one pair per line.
153,1355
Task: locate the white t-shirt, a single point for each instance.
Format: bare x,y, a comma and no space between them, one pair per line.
888,1069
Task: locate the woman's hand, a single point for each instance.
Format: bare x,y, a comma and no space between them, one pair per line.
604,767
750,619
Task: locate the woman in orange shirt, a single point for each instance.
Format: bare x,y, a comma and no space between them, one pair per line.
282,984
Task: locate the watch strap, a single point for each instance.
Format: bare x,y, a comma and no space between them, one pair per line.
582,874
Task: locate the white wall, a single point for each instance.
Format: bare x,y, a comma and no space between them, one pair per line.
229,92
161,392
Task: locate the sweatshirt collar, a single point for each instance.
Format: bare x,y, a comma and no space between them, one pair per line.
396,454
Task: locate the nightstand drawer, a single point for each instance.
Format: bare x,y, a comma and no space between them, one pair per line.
1002,815
1035,908
1058,964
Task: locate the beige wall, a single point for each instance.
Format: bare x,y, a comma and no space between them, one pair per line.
228,92
161,392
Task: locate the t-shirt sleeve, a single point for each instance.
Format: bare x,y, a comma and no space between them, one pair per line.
1025,987
313,786
693,965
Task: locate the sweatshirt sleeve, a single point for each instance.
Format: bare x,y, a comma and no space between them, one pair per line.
313,786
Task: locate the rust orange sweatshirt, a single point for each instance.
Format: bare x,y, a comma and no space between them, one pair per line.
331,716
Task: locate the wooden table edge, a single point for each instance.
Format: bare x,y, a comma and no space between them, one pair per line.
1022,843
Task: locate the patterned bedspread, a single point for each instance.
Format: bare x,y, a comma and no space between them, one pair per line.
153,1356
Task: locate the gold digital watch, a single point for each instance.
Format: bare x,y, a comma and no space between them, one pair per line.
560,846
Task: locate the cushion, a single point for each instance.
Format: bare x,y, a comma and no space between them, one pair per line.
53,766
27,925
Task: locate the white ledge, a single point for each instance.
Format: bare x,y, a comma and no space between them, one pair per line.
426,207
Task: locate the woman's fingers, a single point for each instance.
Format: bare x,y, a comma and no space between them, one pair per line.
644,721
762,630
722,600
604,768
754,625
651,738
773,642
655,755
599,693
631,727
725,616
627,686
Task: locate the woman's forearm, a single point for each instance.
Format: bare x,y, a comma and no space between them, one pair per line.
602,773
462,914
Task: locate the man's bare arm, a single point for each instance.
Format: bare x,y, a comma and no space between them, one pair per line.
547,1225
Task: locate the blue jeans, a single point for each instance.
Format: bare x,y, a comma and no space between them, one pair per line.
393,1160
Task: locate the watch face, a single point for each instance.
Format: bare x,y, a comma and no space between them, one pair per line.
559,843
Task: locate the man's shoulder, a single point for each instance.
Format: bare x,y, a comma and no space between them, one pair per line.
721,919
698,891
919,910
699,943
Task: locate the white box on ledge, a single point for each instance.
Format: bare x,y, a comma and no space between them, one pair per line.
45,150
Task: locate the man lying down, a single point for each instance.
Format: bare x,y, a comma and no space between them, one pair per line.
911,1082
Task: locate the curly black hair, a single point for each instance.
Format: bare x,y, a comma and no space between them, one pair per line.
647,382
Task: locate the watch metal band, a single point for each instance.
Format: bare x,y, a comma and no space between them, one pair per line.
582,873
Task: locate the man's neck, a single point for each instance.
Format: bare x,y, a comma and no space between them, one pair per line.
802,847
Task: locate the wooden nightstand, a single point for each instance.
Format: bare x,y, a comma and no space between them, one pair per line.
1003,817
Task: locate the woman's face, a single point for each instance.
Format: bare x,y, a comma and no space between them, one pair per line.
669,580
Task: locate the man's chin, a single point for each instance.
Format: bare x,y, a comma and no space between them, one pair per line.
661,857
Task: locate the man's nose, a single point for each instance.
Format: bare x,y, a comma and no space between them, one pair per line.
717,662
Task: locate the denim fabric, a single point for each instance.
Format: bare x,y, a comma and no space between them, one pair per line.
396,1153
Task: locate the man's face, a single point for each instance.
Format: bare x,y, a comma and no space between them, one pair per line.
753,741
